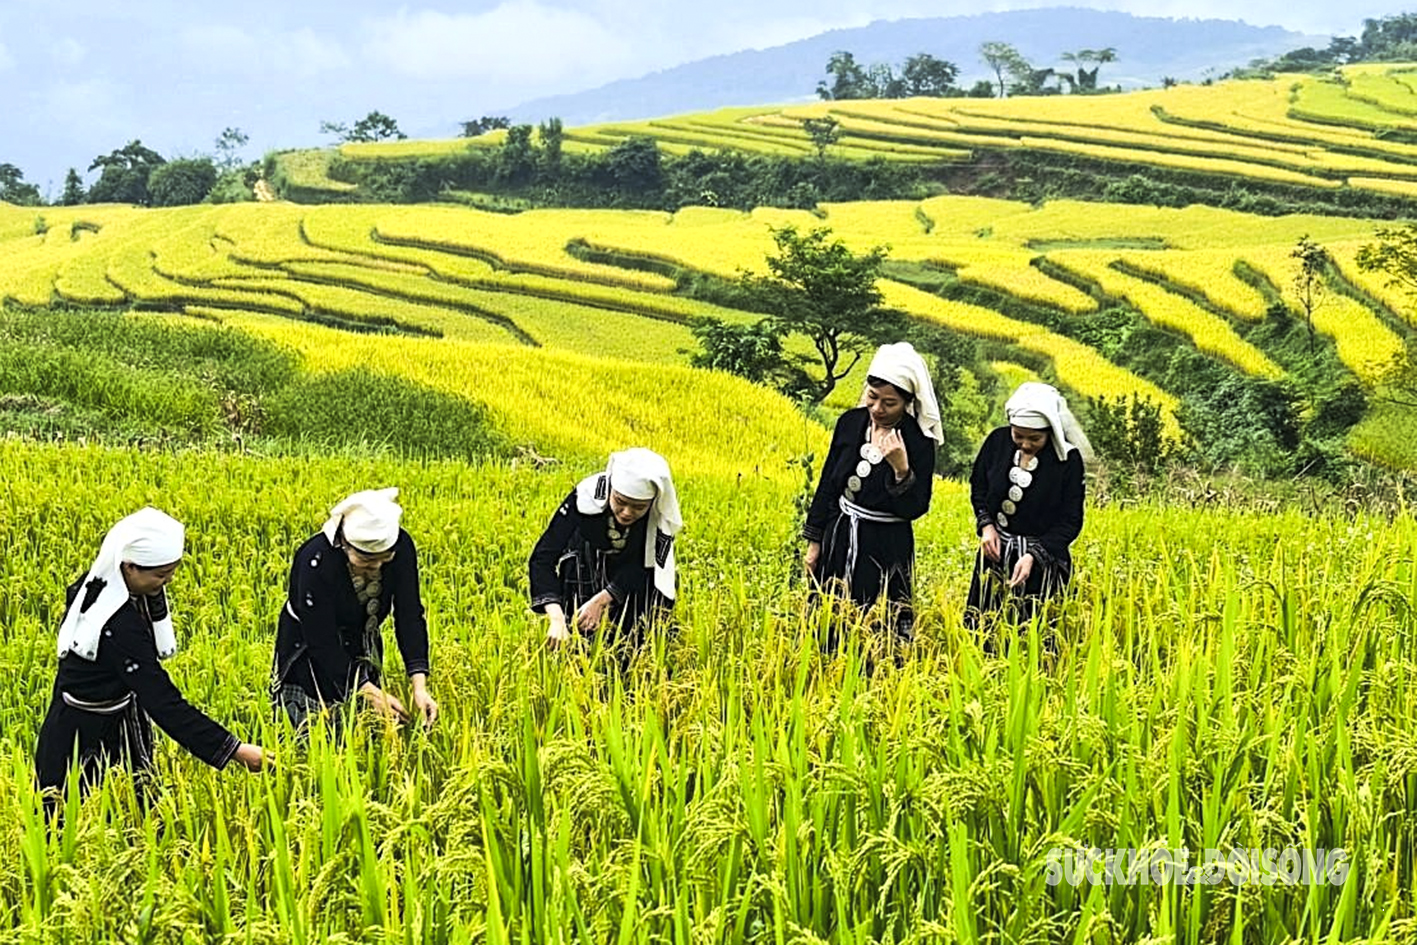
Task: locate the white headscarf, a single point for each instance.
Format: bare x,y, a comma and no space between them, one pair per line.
1037,406
147,538
643,475
902,365
370,519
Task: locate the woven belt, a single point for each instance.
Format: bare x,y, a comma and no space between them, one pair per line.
856,514
112,707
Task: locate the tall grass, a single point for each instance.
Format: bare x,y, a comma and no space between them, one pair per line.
1223,679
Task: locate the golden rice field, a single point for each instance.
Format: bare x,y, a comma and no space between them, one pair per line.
450,282
1329,133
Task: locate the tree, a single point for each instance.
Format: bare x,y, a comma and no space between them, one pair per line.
228,147
1395,255
125,172
1005,60
824,133
753,351
181,182
480,126
13,188
73,189
849,80
1310,282
375,126
552,135
925,75
819,288
516,159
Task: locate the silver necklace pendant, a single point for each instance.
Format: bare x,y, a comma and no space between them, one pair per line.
871,453
1016,493
1028,464
1020,477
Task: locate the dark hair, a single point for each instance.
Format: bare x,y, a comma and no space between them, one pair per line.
878,382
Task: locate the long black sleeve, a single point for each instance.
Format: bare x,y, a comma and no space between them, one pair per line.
410,619
315,603
131,655
819,513
542,580
1067,521
979,478
910,498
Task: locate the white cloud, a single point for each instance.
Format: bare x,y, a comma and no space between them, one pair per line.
91,104
232,49
520,41
68,51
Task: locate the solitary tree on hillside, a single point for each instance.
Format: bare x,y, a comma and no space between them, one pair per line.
821,289
124,176
925,75
73,189
1005,60
824,133
1310,282
375,126
228,148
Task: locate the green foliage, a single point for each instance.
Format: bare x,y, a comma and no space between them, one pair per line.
1130,434
181,182
360,408
820,289
634,165
124,174
966,415
1310,281
107,375
73,194
922,74
752,351
480,126
13,188
228,148
1004,60
824,133
375,126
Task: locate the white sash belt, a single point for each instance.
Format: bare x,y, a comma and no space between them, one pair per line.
98,708
856,514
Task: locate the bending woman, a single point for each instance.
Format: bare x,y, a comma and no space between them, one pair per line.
344,580
111,685
875,481
608,552
1026,491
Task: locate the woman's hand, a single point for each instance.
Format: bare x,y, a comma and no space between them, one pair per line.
892,449
385,703
556,632
588,617
423,703
989,542
813,555
1021,571
254,757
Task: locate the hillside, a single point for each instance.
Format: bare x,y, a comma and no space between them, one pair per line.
1149,49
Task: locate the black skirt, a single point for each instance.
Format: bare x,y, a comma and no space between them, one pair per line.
100,735
883,566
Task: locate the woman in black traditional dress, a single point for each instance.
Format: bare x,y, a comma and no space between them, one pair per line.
875,481
111,685
1026,490
344,580
608,552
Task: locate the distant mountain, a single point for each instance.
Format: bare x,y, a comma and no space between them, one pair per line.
1148,48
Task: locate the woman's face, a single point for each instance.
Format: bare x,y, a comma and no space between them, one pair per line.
364,563
628,511
142,581
1029,442
886,404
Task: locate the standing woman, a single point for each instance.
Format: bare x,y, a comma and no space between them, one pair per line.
111,685
1026,490
875,481
608,552
344,580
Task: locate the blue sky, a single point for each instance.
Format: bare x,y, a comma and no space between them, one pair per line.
81,77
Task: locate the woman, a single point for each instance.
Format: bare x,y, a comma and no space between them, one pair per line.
875,481
111,685
1026,490
344,580
608,553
